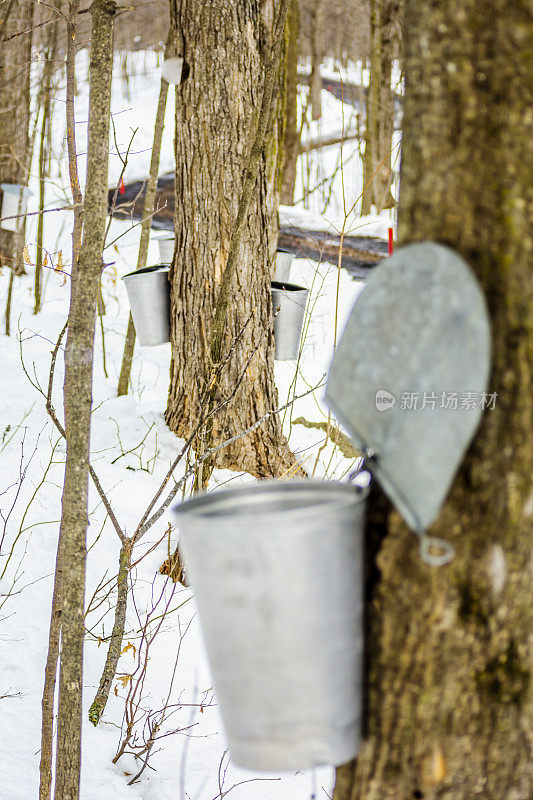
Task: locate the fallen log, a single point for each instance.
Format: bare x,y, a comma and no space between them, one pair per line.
359,253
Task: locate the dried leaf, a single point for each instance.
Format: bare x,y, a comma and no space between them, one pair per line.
59,266
26,255
124,680
129,646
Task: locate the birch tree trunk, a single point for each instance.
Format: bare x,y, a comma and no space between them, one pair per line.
225,46
77,393
449,649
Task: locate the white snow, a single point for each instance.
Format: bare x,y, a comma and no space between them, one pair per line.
131,450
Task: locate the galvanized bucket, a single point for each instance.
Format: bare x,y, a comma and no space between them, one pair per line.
10,205
172,68
149,295
288,301
166,249
282,269
277,571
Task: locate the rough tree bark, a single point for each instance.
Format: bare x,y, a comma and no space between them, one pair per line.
317,36
79,350
291,139
15,63
45,147
449,681
384,46
225,46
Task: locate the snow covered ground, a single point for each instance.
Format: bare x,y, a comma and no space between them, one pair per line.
131,451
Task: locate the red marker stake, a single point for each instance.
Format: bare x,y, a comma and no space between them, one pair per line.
391,242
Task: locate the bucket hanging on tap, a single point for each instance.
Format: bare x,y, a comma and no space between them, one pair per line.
166,242
149,295
289,302
282,270
277,571
11,194
172,68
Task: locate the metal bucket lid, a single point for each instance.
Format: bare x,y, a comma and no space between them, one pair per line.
410,374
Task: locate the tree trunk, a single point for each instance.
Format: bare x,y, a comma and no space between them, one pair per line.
45,147
149,205
291,139
377,168
15,156
315,81
449,678
79,351
15,62
225,46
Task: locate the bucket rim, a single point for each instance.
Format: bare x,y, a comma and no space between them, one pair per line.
162,236
286,286
208,504
147,270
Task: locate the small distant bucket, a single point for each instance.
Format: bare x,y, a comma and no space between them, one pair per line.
277,571
282,270
289,302
171,69
10,205
166,249
149,295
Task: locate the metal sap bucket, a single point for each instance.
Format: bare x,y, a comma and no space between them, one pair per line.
282,270
172,69
10,205
149,295
166,241
277,571
288,301
166,249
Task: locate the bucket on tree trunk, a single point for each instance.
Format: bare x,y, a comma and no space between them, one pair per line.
171,69
149,295
282,270
166,242
10,205
288,301
277,571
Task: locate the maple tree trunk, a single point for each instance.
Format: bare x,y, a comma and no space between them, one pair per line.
225,46
15,62
377,167
15,65
291,139
449,690
315,81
